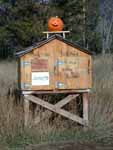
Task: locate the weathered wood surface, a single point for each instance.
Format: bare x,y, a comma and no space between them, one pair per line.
54,91
66,100
51,32
26,111
85,107
55,109
68,67
48,33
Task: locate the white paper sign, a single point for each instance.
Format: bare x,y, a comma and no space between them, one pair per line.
40,78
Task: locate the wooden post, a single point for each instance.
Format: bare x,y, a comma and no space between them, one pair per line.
85,107
64,35
47,35
26,111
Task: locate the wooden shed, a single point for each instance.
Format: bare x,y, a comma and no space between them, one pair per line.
55,65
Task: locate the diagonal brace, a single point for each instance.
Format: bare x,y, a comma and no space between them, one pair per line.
55,109
66,100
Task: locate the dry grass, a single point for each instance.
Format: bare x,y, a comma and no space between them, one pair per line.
100,112
101,100
8,76
11,114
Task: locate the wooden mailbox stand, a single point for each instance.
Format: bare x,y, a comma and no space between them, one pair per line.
55,66
57,108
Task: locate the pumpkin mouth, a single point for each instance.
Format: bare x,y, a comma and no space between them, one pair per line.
55,25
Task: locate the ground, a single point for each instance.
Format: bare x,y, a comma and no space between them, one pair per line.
70,146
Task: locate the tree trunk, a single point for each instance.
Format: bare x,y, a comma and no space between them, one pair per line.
84,23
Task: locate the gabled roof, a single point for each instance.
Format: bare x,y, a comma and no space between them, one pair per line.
39,44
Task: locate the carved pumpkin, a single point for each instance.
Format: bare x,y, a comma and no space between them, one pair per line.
55,24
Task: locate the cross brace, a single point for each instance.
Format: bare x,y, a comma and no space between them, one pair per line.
57,108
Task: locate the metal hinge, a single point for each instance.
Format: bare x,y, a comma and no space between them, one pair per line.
25,63
59,62
59,85
26,86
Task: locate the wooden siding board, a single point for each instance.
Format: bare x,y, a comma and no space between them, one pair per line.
46,52
77,62
68,67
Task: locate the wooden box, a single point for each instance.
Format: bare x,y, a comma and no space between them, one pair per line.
54,65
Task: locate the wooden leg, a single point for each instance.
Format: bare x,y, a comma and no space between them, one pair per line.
26,112
85,107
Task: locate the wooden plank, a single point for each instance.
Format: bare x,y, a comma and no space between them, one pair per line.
85,107
56,32
56,110
72,67
66,100
28,75
22,74
44,59
40,64
46,32
25,65
90,72
54,91
26,112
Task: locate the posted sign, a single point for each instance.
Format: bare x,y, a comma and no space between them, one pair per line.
40,78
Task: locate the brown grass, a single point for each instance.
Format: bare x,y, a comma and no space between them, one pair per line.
11,114
100,111
101,99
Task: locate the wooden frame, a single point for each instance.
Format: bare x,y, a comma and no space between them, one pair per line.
57,108
56,32
54,91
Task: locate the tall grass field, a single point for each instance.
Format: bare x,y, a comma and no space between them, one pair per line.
13,133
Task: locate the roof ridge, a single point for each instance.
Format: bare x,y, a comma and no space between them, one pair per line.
55,36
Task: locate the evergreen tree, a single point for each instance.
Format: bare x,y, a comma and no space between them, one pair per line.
22,25
92,20
72,16
23,21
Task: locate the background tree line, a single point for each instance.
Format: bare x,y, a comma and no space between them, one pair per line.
23,21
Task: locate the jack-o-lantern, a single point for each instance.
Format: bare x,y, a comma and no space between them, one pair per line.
55,24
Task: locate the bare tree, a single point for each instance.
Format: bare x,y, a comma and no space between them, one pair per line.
106,24
84,22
